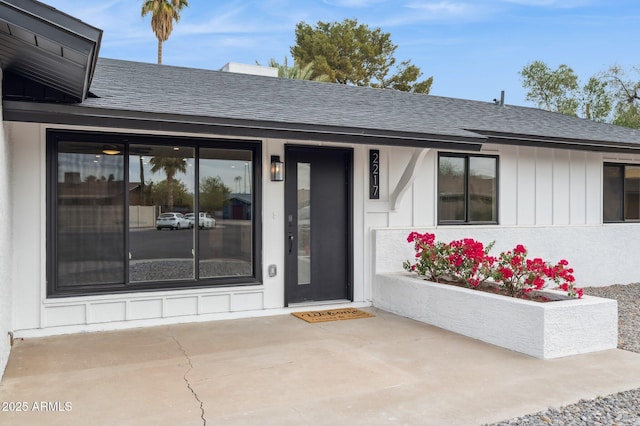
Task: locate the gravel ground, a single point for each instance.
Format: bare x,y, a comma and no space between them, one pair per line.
619,409
178,269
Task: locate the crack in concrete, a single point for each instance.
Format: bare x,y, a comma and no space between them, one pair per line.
186,380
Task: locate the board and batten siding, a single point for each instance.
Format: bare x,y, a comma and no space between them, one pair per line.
536,186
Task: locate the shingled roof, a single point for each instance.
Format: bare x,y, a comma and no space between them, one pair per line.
141,95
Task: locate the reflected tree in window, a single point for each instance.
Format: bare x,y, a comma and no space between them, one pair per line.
176,191
213,194
170,166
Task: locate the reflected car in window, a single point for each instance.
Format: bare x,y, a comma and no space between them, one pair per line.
205,221
172,221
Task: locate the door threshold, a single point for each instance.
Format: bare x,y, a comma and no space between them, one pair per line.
319,303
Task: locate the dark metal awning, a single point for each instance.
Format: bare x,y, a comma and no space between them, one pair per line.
47,46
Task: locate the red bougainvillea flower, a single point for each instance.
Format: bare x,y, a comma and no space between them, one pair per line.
520,249
419,238
506,273
538,283
467,261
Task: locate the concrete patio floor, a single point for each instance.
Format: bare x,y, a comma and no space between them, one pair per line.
280,370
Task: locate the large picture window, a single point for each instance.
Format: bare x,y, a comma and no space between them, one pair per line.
131,212
621,193
467,189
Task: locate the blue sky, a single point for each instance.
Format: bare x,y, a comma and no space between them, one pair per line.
472,48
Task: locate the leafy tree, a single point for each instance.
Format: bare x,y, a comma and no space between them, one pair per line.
163,13
551,90
213,194
352,53
179,194
627,116
609,96
627,109
170,166
595,100
559,90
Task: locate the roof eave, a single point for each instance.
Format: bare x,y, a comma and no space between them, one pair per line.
501,138
77,115
48,46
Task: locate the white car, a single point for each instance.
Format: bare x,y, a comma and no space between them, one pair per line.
172,221
205,221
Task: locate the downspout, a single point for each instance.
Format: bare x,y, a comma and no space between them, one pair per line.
409,175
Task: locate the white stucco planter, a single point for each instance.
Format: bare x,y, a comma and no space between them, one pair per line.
543,330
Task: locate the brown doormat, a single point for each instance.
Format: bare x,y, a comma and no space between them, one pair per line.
332,315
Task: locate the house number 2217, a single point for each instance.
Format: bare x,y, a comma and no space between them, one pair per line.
374,174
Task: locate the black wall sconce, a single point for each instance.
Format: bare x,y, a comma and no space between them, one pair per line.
277,169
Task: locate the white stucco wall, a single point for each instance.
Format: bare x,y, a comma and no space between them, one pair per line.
544,330
6,325
600,254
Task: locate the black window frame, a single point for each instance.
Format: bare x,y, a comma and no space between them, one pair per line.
622,201
467,157
54,136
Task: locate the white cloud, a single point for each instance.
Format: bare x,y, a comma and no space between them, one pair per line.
558,4
352,3
444,11
441,8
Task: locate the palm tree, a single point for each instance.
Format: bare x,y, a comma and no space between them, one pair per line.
295,72
171,166
163,13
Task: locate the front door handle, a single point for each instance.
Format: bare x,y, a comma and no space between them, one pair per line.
290,242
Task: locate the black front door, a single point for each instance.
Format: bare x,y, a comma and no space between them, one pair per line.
318,224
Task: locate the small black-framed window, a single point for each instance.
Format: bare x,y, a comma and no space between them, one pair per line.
621,192
467,189
137,213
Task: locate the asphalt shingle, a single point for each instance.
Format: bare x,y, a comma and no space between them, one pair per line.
160,89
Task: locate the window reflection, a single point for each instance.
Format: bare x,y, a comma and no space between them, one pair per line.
482,189
632,193
451,193
161,181
304,223
142,215
90,215
613,189
467,188
225,194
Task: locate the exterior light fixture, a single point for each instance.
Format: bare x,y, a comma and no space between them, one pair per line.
277,169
